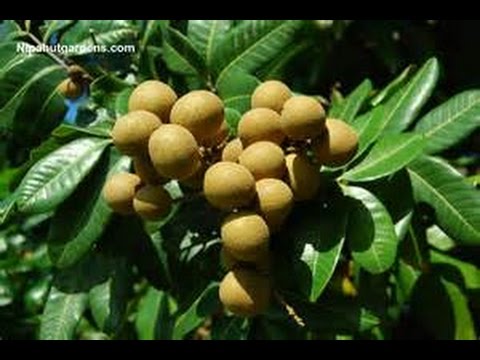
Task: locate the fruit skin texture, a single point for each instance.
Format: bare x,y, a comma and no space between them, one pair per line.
245,236
220,136
260,124
244,292
152,202
271,94
143,167
264,159
119,191
302,117
201,112
174,152
153,96
275,201
232,151
303,177
337,145
131,132
228,185
70,89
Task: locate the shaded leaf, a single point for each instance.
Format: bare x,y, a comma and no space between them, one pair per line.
349,107
236,89
392,87
369,127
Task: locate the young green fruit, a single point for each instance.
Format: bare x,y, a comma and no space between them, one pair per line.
174,152
275,201
271,94
337,145
245,235
245,292
228,185
232,151
302,117
201,112
264,159
303,177
260,124
70,89
131,132
119,191
152,202
143,167
153,96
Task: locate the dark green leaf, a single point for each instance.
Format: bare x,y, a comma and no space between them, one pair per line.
232,117
236,89
368,127
206,34
392,87
106,90
464,274
349,107
229,328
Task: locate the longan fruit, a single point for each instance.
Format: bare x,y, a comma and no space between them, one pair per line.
275,201
70,89
195,181
245,292
119,191
131,132
228,185
201,112
264,159
337,145
271,94
263,265
231,152
152,202
260,124
302,117
303,177
174,152
245,235
219,137
153,96
143,167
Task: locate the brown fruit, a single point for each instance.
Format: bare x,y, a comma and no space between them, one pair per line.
245,292
337,145
232,151
260,124
245,235
71,90
119,191
153,96
275,200
195,181
143,167
227,185
271,94
131,132
152,202
220,136
174,152
264,159
302,117
201,112
262,265
303,177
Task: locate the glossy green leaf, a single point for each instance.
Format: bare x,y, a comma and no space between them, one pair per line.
232,117
52,27
236,89
106,90
465,274
349,107
455,202
51,180
438,239
368,127
206,34
451,122
370,232
392,87
388,155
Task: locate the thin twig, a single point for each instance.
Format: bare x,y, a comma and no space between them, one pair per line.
52,55
290,310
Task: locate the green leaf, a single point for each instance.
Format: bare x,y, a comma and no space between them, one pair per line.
464,274
54,26
106,90
349,107
205,34
370,232
406,278
451,122
229,328
438,239
68,241
392,87
51,180
368,127
236,89
455,202
62,314
403,107
388,155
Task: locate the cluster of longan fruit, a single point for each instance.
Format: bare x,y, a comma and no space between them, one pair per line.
254,178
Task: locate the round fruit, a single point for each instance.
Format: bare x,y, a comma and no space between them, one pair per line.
337,145
143,167
154,96
220,136
201,112
195,181
71,90
119,191
303,177
275,200
227,185
264,159
174,152
245,292
245,235
302,117
152,202
271,94
262,265
260,124
131,132
232,151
